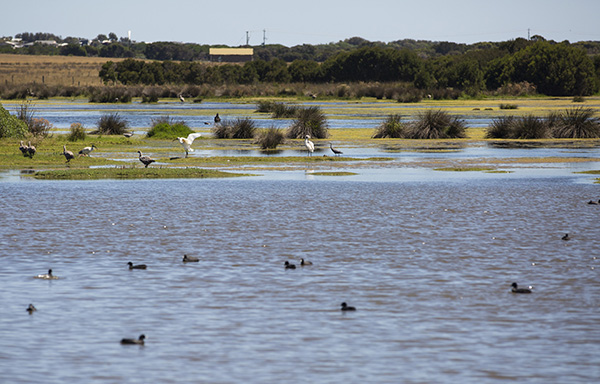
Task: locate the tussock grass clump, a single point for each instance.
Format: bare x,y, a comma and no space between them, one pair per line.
577,123
392,127
501,128
264,106
110,95
531,127
309,121
508,106
165,127
77,132
436,124
269,139
237,129
111,124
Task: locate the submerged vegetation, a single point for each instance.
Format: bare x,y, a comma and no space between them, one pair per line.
132,173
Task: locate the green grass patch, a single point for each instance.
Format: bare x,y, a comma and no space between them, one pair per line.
133,173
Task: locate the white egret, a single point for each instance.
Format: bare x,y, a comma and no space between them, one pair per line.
310,146
186,142
86,151
336,152
146,160
68,154
138,341
516,289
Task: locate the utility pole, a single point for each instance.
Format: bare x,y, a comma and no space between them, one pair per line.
528,33
264,37
247,38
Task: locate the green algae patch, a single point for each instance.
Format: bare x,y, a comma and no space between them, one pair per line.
334,173
133,173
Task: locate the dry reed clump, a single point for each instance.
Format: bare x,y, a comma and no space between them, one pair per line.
436,124
111,124
270,138
237,129
576,123
309,121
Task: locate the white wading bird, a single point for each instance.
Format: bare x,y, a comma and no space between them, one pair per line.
186,142
310,146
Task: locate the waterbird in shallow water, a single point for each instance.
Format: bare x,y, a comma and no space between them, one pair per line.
310,146
47,276
346,307
516,289
68,154
566,237
336,152
146,160
186,142
86,151
138,341
190,259
31,309
305,262
217,119
288,265
139,266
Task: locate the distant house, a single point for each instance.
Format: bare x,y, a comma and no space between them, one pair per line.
231,55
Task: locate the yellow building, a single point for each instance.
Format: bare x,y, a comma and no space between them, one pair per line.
231,55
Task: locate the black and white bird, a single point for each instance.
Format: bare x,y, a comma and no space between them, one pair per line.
138,266
30,150
305,262
23,148
138,341
190,259
47,276
346,307
336,152
516,289
128,134
86,151
181,98
31,309
68,154
310,146
186,142
146,160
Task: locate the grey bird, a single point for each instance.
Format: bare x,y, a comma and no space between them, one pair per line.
190,259
68,154
146,160
336,152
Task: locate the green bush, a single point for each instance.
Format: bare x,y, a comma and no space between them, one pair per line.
392,127
11,126
165,127
77,132
111,124
508,106
270,138
309,121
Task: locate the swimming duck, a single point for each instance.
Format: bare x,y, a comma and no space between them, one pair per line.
516,289
288,265
566,237
139,266
138,341
190,259
47,276
593,202
305,262
31,309
346,307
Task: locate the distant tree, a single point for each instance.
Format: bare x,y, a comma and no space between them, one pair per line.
113,37
72,50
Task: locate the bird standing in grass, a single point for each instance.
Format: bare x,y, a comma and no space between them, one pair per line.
86,151
23,148
68,154
186,142
336,152
30,150
310,146
128,134
146,160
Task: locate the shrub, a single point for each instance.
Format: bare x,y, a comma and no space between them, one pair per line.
392,127
508,106
281,110
530,127
111,124
238,129
577,123
150,95
35,126
436,124
11,126
77,132
578,99
264,106
270,138
110,95
309,121
501,128
165,127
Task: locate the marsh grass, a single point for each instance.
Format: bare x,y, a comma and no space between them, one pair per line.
309,121
577,123
240,128
132,173
167,128
436,124
270,138
392,127
111,124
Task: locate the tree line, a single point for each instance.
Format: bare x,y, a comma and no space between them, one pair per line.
556,69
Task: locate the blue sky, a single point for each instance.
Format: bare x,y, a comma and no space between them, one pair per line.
306,21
